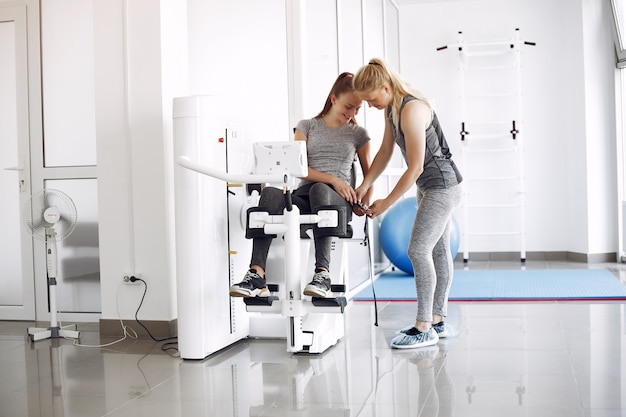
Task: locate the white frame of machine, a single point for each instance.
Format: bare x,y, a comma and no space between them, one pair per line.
312,325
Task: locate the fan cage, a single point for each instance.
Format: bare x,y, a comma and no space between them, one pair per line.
34,209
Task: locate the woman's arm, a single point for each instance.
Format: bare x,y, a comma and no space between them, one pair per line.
382,158
416,117
364,160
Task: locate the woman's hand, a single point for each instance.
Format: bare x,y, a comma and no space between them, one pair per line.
359,209
361,205
377,208
344,190
361,192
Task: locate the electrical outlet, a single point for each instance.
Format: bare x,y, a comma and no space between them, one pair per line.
135,392
126,279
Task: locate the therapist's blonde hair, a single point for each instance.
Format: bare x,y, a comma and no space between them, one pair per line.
377,74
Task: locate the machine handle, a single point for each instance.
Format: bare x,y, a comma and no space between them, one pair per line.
185,162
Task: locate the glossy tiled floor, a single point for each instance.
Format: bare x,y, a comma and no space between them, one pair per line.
540,359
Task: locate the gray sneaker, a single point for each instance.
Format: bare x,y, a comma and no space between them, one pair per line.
320,285
413,338
251,286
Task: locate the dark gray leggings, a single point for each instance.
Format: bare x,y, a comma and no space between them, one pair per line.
429,250
308,198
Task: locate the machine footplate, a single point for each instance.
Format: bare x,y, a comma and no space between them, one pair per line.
330,302
260,301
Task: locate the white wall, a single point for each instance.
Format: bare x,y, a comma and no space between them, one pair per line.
241,58
131,173
568,101
601,127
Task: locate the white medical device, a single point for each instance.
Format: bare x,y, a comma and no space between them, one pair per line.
287,158
208,319
210,245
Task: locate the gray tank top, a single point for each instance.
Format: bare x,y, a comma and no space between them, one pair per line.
440,170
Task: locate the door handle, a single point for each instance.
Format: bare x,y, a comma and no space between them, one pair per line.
21,182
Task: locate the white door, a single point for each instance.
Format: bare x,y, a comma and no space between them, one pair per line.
17,301
64,158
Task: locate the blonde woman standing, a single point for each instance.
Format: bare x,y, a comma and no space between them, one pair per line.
411,123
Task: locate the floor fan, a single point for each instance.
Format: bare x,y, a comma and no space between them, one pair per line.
50,215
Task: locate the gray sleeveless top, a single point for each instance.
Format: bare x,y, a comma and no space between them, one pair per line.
440,170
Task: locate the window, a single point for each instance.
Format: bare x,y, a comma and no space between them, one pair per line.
619,20
619,33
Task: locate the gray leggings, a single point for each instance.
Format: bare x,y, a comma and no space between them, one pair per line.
429,250
308,198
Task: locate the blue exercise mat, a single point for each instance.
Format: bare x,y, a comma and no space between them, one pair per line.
477,285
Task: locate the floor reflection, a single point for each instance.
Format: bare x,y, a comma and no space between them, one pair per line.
510,359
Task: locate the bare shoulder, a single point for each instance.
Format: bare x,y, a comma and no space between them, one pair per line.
416,113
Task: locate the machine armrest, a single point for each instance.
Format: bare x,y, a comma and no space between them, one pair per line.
255,229
341,228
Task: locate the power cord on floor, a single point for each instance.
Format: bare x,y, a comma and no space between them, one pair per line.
127,331
166,346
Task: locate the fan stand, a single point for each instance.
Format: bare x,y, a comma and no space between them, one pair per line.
54,331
